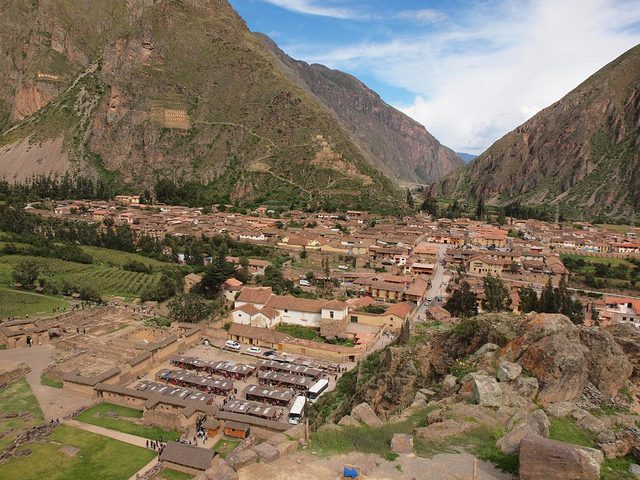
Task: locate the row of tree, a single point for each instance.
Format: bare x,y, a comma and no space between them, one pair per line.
464,302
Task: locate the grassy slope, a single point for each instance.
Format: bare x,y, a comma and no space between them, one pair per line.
17,398
16,303
99,457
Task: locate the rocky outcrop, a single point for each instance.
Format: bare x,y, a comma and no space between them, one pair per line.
628,338
565,359
609,367
541,458
550,349
563,153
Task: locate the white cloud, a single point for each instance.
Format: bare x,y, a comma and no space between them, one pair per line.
312,7
485,72
423,16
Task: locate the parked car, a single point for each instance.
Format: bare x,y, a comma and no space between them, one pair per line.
304,283
270,353
232,345
254,349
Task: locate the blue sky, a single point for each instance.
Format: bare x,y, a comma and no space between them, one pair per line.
469,70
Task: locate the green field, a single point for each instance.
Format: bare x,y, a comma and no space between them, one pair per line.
121,419
118,258
17,303
50,382
98,458
168,474
17,398
107,280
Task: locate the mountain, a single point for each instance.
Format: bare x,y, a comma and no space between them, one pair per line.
582,153
139,91
401,147
466,157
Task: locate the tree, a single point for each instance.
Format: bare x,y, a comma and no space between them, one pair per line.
189,308
26,273
497,298
410,202
480,209
274,278
502,219
242,273
430,206
548,302
216,274
462,302
528,300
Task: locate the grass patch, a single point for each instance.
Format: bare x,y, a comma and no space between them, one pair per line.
617,469
99,457
565,430
103,415
18,398
168,474
225,446
18,303
307,333
50,382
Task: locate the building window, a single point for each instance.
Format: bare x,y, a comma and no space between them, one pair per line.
330,314
354,319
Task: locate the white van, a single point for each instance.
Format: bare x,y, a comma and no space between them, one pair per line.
304,283
232,345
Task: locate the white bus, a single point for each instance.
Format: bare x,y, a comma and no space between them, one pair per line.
295,414
317,389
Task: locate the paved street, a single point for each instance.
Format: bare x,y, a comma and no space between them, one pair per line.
439,283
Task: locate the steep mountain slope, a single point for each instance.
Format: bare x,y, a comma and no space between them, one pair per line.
400,146
581,153
142,90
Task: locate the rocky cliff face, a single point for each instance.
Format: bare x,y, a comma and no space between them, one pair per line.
142,90
400,146
582,153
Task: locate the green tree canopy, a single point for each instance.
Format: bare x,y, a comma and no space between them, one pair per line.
26,273
189,308
462,302
497,298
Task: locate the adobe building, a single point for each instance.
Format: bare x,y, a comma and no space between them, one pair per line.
23,333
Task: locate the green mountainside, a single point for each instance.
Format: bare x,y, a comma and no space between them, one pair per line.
145,90
580,155
402,148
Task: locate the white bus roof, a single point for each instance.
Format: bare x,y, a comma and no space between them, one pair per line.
298,405
319,385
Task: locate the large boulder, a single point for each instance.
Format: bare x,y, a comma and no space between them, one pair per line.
628,338
561,409
609,367
363,413
537,423
486,391
348,421
550,349
592,423
508,371
402,443
542,458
